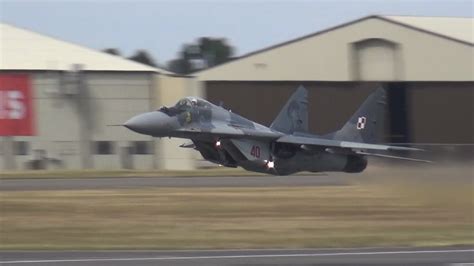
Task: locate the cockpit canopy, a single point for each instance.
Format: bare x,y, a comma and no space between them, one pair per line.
185,105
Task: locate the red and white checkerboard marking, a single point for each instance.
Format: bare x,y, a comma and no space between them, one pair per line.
361,122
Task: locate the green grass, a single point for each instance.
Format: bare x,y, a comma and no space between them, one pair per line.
366,214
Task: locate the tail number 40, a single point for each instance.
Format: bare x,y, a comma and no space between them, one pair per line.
255,151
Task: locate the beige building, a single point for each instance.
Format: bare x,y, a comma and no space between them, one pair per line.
77,93
426,62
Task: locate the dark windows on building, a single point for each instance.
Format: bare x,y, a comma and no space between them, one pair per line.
104,147
141,147
21,147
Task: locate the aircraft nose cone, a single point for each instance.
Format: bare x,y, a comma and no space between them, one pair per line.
134,123
152,123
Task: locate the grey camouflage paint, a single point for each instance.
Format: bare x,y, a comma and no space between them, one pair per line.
231,140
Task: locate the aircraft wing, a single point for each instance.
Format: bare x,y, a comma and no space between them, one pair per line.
330,143
392,157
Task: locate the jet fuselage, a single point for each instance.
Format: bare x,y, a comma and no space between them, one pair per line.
231,140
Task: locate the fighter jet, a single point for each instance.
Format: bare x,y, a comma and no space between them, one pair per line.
283,148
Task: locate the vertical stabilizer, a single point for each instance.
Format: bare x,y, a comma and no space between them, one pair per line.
367,124
294,115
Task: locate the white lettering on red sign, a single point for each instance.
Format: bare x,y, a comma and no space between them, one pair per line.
12,104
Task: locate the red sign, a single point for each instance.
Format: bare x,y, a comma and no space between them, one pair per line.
16,105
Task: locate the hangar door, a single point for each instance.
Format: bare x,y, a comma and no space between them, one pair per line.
376,59
442,112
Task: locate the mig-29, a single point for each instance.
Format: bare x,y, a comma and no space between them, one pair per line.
285,147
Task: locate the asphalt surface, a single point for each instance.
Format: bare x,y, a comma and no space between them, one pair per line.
455,256
145,182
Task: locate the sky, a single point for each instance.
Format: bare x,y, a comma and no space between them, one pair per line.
162,27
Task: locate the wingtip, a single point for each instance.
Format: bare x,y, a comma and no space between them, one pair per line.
401,148
406,146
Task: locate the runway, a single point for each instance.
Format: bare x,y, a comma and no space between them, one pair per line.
143,182
369,256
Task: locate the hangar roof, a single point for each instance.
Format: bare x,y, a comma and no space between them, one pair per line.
22,49
421,49
457,28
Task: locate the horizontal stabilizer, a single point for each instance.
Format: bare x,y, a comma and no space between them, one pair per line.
392,157
432,144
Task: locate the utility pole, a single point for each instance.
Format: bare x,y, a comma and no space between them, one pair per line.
76,87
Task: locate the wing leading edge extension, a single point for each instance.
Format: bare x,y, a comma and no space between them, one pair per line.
230,132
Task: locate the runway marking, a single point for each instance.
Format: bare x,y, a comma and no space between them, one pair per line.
241,256
197,250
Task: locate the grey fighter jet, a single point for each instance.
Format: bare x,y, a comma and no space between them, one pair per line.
283,148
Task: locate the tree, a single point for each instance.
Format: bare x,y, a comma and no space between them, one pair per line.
215,51
180,66
112,51
143,57
206,52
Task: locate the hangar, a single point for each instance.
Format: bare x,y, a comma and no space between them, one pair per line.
426,62
76,92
